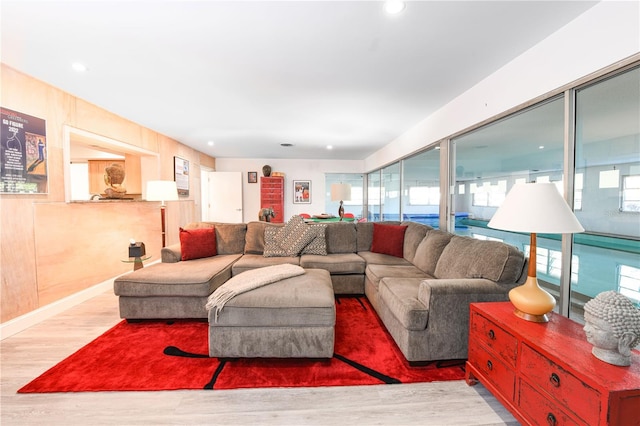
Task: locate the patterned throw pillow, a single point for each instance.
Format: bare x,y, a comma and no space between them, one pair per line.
295,236
319,243
271,246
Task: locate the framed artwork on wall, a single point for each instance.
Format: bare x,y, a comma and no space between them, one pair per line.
181,175
301,192
252,177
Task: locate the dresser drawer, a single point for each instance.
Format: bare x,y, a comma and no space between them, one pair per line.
494,370
567,389
489,334
540,410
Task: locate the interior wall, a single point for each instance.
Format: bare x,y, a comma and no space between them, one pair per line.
313,170
605,34
51,249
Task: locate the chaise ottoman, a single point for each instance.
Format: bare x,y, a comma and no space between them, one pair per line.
291,318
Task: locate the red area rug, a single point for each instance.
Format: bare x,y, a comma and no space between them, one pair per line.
169,355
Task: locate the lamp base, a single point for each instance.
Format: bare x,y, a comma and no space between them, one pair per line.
532,303
531,317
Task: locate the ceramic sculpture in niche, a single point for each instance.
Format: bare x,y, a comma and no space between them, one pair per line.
114,178
266,214
266,170
612,326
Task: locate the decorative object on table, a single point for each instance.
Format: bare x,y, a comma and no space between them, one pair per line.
162,190
114,175
340,192
252,177
266,170
534,208
266,214
181,175
136,249
301,192
612,326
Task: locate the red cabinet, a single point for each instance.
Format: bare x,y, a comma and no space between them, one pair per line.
544,373
272,196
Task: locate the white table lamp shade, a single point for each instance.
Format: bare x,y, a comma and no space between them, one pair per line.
340,192
535,207
162,190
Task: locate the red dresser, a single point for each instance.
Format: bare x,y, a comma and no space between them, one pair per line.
272,195
545,374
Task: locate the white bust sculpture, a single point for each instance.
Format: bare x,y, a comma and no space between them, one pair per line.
612,326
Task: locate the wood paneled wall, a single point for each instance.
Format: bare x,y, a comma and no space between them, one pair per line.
51,249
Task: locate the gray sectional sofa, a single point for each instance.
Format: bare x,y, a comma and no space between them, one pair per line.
422,298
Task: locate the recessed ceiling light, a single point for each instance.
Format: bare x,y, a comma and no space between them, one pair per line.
329,146
79,67
210,143
394,7
541,147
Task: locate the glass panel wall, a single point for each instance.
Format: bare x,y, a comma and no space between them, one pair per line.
524,147
356,203
608,167
374,191
390,191
421,188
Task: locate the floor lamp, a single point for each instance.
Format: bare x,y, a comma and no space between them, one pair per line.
534,208
162,190
340,192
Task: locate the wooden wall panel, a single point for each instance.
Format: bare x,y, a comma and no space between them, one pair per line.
51,249
81,243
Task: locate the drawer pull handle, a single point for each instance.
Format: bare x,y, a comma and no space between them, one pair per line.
491,334
489,365
551,419
555,380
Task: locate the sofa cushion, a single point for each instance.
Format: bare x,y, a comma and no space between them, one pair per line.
335,263
466,257
341,237
319,243
400,295
229,236
253,261
294,236
199,277
412,237
254,239
377,272
197,243
372,258
388,239
430,249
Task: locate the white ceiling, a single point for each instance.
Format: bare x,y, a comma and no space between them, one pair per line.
252,75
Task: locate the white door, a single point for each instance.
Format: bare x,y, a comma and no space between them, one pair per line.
225,197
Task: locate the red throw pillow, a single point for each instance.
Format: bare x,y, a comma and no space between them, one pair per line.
388,239
198,243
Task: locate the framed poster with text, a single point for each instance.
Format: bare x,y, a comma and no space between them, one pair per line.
181,175
23,154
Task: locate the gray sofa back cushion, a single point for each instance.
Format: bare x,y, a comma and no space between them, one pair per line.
430,249
229,236
341,237
466,257
413,236
254,239
364,233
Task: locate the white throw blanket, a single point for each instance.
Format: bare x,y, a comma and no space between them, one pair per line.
249,280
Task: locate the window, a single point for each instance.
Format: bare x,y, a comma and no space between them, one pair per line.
631,193
629,282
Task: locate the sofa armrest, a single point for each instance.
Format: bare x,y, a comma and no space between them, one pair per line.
171,254
447,301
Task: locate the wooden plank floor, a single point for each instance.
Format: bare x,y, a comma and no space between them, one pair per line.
31,352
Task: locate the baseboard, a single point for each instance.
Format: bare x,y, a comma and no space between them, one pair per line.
18,324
